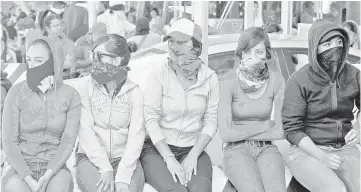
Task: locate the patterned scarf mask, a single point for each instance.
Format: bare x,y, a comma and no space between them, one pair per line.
252,74
184,61
105,72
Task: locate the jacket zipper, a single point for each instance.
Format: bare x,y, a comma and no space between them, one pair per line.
110,128
334,96
183,115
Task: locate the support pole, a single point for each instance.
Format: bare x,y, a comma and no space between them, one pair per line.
286,17
249,14
92,13
201,18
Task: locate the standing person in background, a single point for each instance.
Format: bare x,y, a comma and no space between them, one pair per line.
308,12
112,130
54,28
248,96
143,37
131,15
75,17
353,32
115,20
56,8
180,111
40,124
156,24
83,47
258,21
317,113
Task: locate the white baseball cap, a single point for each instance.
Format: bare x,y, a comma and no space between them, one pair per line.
113,3
184,29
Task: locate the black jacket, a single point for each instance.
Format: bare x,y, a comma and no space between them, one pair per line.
314,104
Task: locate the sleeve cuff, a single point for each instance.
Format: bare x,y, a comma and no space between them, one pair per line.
123,176
156,134
295,137
209,130
104,166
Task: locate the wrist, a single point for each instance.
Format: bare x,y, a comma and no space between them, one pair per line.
169,157
28,178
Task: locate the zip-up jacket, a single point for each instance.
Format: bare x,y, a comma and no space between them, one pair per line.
316,105
179,116
111,126
41,127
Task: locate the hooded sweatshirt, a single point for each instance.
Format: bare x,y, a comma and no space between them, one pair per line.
41,127
179,116
315,105
111,127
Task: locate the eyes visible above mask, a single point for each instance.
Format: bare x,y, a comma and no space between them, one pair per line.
188,44
335,42
106,58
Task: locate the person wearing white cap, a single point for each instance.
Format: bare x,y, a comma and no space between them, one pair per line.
180,112
115,20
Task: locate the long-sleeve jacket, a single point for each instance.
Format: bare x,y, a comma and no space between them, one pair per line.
316,105
179,116
111,127
41,127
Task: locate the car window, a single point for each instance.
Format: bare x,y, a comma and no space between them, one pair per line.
222,63
225,62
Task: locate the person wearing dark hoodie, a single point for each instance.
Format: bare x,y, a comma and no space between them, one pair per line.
112,130
317,114
180,112
40,124
143,38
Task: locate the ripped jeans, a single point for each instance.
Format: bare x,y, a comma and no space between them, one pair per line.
254,169
315,176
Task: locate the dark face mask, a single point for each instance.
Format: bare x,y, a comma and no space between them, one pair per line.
36,74
104,73
330,60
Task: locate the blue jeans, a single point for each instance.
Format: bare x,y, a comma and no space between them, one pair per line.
315,176
254,169
62,181
87,175
158,176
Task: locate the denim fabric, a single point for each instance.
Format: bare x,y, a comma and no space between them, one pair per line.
315,176
254,169
62,181
158,176
87,174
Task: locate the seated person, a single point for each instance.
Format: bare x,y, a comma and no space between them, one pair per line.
317,113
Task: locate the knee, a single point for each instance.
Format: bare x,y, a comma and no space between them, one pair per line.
61,182
335,187
14,184
201,184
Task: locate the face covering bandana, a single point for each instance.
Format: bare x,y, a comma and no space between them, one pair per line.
35,75
103,73
184,61
330,60
252,74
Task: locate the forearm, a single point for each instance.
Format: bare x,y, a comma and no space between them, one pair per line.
163,148
201,144
274,133
309,147
83,63
69,135
233,132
